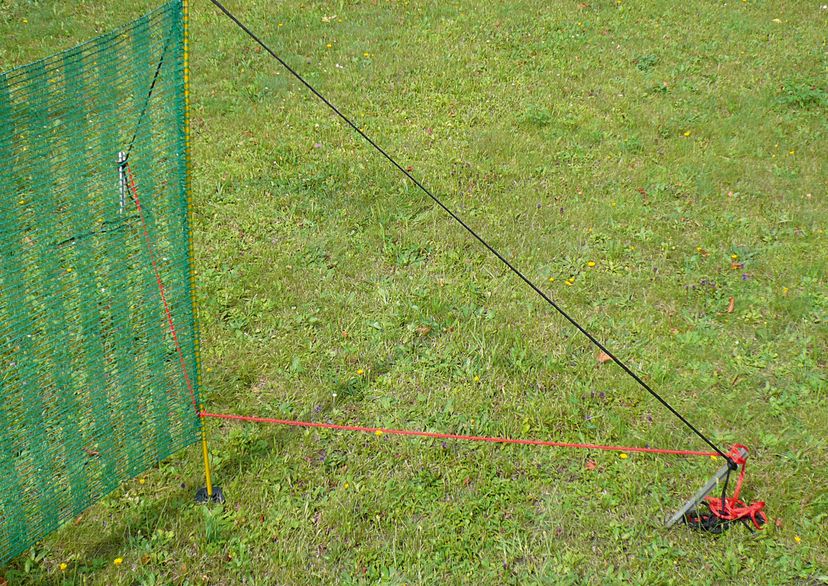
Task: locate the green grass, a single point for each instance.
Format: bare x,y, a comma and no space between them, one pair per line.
655,139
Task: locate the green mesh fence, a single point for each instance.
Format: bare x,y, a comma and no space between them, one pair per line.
93,391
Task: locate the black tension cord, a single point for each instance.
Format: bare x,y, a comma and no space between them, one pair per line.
145,107
479,238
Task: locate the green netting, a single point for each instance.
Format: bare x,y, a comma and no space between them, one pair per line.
92,388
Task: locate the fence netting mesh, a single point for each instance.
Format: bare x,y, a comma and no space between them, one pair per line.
92,387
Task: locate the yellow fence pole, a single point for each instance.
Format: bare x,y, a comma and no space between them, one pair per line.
185,7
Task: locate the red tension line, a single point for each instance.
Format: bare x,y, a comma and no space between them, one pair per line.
162,291
453,436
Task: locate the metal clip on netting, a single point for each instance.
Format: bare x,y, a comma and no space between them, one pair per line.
122,182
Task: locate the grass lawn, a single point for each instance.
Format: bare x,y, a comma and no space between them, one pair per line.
678,146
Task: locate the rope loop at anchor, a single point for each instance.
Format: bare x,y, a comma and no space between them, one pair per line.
724,511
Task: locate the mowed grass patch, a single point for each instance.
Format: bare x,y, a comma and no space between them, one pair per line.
679,148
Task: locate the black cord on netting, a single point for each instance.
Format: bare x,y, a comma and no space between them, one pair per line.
145,107
479,238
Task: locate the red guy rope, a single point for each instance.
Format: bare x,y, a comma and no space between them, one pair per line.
453,436
161,289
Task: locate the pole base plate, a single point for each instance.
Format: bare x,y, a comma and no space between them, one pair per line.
202,498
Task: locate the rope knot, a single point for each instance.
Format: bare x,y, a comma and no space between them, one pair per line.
735,454
724,510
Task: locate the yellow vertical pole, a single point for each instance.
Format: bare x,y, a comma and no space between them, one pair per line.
185,8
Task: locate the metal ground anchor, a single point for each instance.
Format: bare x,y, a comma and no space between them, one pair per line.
705,490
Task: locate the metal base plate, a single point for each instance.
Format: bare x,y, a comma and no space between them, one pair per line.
203,498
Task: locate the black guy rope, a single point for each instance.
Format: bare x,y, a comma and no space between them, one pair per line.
479,238
144,108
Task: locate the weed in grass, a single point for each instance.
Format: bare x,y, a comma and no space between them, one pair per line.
803,94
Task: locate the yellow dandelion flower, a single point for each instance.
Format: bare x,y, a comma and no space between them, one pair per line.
791,152
623,456
476,379
360,372
63,566
118,561
366,54
141,481
734,256
281,24
68,269
551,279
329,45
797,539
378,433
785,290
346,485
591,264
686,133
